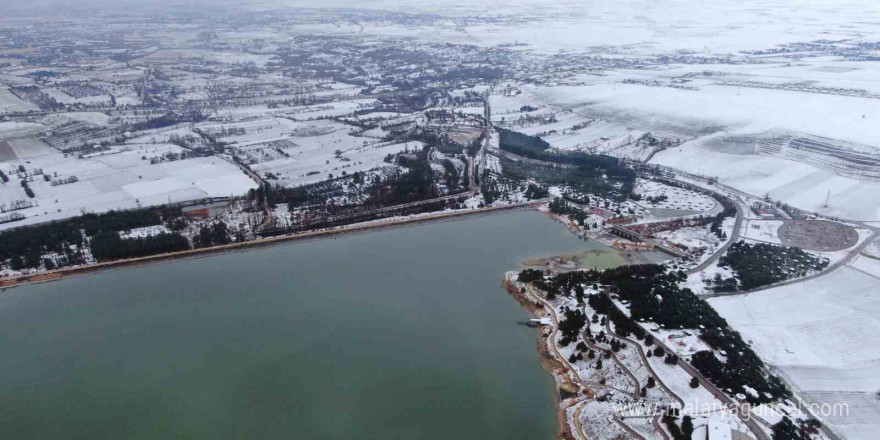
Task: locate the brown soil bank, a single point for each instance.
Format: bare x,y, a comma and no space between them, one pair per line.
550,364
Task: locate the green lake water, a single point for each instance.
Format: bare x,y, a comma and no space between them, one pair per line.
401,333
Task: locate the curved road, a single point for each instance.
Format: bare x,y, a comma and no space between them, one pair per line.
830,269
733,237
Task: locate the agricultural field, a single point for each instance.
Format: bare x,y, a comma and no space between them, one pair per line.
828,341
121,178
9,103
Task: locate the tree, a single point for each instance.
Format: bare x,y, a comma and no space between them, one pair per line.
687,426
649,340
651,382
695,383
658,351
530,275
786,430
571,324
599,364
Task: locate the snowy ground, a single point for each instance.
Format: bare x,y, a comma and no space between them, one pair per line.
114,181
676,198
10,103
827,342
721,115
314,160
764,231
873,249
797,184
693,239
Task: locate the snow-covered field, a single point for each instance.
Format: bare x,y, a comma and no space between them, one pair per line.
720,111
693,238
675,198
10,103
797,184
632,26
114,181
316,158
761,230
828,340
738,113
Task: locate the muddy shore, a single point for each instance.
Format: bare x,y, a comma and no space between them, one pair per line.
551,364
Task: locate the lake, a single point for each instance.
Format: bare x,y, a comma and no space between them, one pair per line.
400,333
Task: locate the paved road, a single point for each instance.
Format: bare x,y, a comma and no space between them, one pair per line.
647,364
660,428
720,395
739,217
734,236
629,430
552,337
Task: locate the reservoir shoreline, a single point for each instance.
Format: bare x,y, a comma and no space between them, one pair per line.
557,368
270,329
551,364
23,280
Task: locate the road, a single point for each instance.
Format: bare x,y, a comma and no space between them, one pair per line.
552,337
830,269
644,358
734,236
552,313
720,395
487,134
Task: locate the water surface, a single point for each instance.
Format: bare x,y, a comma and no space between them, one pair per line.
396,334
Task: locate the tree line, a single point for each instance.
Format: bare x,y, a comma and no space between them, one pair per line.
25,248
109,246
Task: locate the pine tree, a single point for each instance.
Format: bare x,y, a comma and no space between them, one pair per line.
687,426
